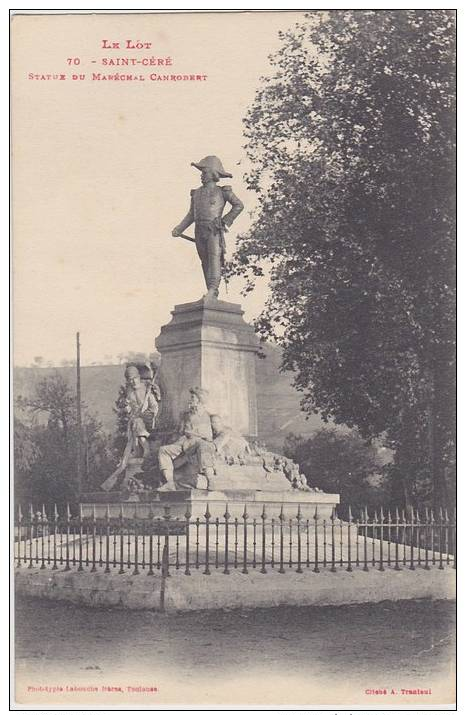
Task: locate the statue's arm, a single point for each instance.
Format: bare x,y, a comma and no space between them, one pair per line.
187,221
236,205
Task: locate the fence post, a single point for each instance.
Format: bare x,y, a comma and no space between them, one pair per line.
31,534
350,519
165,551
55,529
397,537
411,549
107,539
122,542
165,571
136,539
94,534
381,566
20,519
332,519
46,520
298,520
67,547
150,517
187,517
263,517
281,516
432,537
389,530
447,538
441,539
80,545
254,542
245,540
365,517
418,538
316,542
226,516
207,516
340,524
426,541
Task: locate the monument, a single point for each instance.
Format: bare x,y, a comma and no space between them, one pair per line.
208,451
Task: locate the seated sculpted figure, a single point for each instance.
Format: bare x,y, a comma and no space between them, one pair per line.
230,445
194,444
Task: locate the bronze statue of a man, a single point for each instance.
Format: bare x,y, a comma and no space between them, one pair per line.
207,205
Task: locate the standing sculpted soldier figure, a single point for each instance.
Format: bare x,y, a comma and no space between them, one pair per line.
207,206
142,405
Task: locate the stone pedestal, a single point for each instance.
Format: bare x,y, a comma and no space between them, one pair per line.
208,344
196,502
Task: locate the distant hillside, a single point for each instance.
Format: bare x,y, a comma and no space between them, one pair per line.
279,410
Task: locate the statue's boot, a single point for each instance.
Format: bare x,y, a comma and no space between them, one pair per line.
169,485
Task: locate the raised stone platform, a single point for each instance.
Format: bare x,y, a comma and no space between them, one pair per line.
196,502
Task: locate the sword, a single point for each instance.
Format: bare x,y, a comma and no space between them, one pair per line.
187,238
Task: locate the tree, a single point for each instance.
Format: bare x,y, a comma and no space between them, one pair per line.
351,144
341,463
46,441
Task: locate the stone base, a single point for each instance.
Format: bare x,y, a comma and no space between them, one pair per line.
196,502
208,344
250,477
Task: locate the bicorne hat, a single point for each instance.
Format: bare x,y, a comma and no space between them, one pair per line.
214,163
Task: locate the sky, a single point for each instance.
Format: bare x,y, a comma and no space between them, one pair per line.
102,174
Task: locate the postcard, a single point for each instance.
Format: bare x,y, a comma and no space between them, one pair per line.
233,245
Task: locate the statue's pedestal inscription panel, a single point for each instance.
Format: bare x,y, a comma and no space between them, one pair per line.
208,343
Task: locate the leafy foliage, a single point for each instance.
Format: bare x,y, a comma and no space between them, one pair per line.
351,143
341,463
46,441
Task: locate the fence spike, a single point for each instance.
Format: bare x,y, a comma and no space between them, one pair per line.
366,515
207,514
316,513
44,513
382,517
20,513
107,512
263,515
31,512
188,512
121,511
93,512
397,514
350,515
55,512
446,516
389,517
245,512
151,512
135,515
432,517
68,511
298,515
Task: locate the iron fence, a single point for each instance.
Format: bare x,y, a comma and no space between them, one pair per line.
229,543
